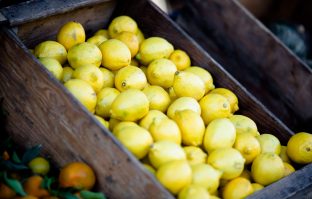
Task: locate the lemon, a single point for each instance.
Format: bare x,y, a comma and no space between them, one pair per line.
206,176
102,32
113,123
108,78
186,84
67,74
214,197
115,53
204,75
53,66
149,168
283,155
220,133
175,175
256,187
91,74
51,49
246,174
84,54
102,121
140,36
248,146
228,160
131,40
97,39
161,72
181,59
157,96
237,188
38,165
267,168
229,95
136,139
70,34
130,105
299,148
244,124
192,127
130,77
134,62
288,169
165,151
154,48
152,115
172,94
195,155
122,125
183,103
122,24
269,143
83,92
165,129
193,192
214,106
105,98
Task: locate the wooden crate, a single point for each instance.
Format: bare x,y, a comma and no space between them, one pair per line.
254,56
42,111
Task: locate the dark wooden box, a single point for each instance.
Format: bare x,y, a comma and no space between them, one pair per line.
42,111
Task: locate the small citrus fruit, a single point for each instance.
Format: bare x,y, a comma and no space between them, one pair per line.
204,75
51,49
269,143
195,155
70,34
105,98
122,24
130,77
53,66
157,96
183,103
237,188
165,129
181,59
299,148
229,95
194,192
248,146
244,124
39,165
149,118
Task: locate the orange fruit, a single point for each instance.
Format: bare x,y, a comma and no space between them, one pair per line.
6,192
32,186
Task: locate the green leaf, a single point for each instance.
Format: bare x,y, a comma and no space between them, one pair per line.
15,185
47,182
9,165
31,154
67,195
15,158
92,195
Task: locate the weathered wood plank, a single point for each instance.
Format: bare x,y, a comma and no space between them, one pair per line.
249,51
42,111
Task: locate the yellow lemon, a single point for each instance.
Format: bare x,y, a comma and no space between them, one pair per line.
172,94
227,160
183,103
181,59
108,78
220,133
140,36
152,115
206,176
244,124
51,49
70,34
194,192
267,168
83,92
97,40
248,146
113,123
90,74
256,187
214,106
136,139
115,53
288,169
130,77
131,40
122,125
237,188
102,121
165,151
130,105
187,84
122,24
105,98
214,197
192,127
102,32
157,96
283,155
161,72
299,148
195,155
53,66
84,54
204,75
269,143
229,95
149,168
175,175
154,48
134,62
67,74
165,129
246,174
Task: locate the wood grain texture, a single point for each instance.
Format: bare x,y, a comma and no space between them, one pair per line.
42,111
249,51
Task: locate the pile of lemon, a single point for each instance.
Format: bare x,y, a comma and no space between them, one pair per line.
168,113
